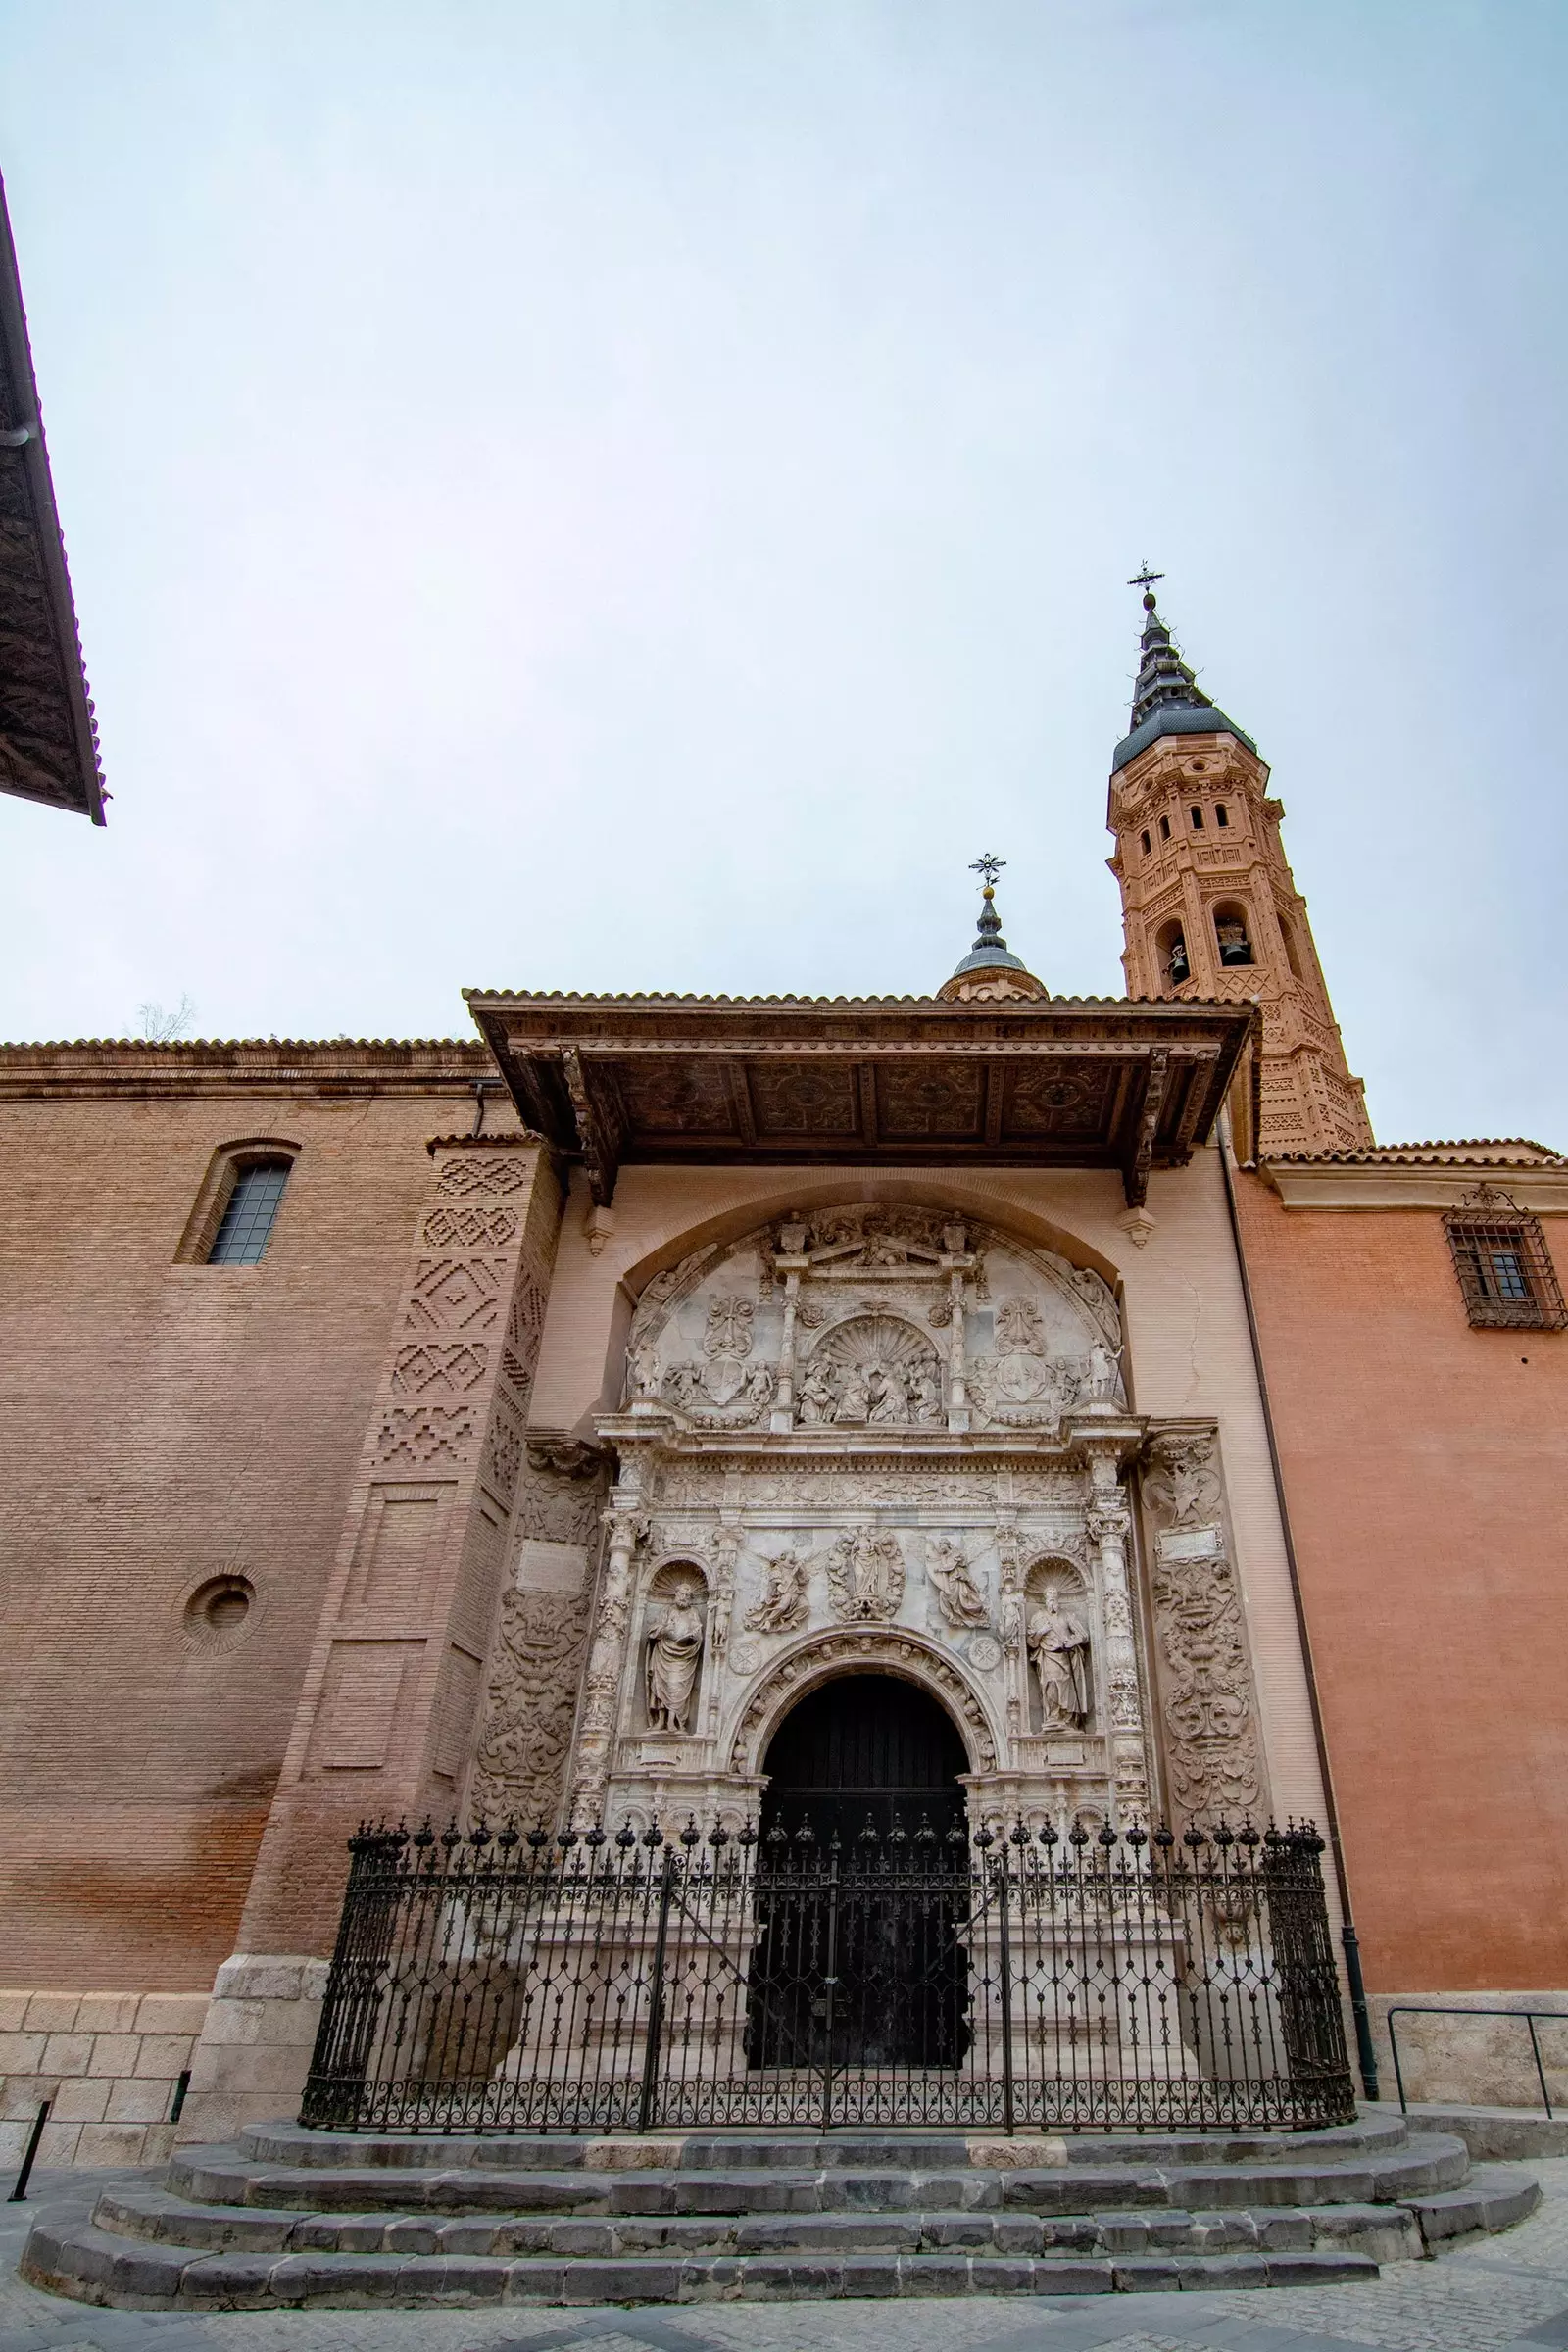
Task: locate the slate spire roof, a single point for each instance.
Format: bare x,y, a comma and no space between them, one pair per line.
1167,699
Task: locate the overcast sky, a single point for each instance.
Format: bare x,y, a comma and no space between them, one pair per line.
638,496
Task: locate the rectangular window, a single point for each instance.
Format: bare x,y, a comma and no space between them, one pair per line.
242,1237
1506,1276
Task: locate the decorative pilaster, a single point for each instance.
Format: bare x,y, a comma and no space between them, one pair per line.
1108,1524
626,1524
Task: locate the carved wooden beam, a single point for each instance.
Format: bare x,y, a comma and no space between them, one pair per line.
865,1073
994,1076
1146,1126
740,1096
601,1158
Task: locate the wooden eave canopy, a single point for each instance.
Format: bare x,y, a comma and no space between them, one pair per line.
911,1081
48,738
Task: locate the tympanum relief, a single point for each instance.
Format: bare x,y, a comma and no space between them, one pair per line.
869,1439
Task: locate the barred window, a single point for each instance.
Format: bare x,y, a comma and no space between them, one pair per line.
247,1221
1505,1267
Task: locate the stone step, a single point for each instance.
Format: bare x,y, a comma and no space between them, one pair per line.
1426,2166
92,2266
1383,2231
293,2146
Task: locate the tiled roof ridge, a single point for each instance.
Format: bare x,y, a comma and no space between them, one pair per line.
1421,1151
471,1045
644,995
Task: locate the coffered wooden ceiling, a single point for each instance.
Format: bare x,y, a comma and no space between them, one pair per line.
909,1081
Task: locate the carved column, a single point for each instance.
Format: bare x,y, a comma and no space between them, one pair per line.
1011,1619
784,1400
1208,1701
1107,1522
627,1524
957,1263
728,1539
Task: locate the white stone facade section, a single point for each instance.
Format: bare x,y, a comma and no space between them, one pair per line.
255,2048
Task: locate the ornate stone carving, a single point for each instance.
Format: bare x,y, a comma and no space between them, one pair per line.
958,1597
902,1653
530,1702
866,1576
1181,1483
784,1607
1212,1747
875,1370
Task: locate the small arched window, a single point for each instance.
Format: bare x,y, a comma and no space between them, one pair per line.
1148,845
231,1220
1197,815
1231,936
1164,829
246,1225
1221,813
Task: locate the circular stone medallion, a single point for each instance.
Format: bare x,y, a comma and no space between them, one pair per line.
985,1653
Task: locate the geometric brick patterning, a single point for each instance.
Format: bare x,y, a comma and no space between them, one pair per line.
385,1722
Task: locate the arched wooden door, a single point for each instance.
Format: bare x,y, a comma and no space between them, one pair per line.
859,1966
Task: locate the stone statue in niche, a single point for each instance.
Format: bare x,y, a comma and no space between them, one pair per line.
783,1607
1103,1385
642,1375
1058,1653
674,1656
958,1597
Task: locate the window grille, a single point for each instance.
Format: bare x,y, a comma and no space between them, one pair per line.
242,1237
1505,1267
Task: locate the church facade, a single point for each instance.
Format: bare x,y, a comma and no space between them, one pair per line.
554,1425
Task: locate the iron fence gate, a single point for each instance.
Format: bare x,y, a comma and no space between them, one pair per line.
486,1980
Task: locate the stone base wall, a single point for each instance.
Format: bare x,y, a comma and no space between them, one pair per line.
109,2063
255,2051
1479,2062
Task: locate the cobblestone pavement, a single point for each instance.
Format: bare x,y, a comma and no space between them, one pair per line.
1499,2295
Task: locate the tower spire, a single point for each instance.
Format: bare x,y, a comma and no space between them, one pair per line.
990,970
1167,699
1209,906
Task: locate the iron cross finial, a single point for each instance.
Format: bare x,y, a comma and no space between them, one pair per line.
1145,579
988,868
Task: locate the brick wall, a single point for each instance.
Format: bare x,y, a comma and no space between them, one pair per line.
1426,1469
166,1422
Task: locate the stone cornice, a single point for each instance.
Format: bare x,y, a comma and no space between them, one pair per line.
121,1067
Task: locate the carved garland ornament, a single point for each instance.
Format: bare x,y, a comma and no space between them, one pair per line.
794,1675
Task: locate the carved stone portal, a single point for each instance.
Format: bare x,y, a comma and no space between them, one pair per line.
875,1440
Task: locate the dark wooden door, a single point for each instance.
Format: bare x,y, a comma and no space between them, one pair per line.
859,1967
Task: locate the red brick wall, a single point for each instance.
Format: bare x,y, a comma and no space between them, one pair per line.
1426,1468
163,1422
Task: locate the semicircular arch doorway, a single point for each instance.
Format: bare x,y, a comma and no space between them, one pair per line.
860,1968
864,1750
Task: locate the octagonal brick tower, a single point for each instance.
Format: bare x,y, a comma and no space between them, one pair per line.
1209,906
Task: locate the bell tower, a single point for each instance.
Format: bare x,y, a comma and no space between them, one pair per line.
1209,906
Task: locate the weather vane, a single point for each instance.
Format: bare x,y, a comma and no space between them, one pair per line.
988,868
1145,579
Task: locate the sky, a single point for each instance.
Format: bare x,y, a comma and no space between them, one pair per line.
638,494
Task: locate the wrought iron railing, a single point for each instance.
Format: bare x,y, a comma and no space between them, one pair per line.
491,1982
